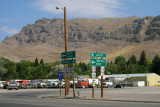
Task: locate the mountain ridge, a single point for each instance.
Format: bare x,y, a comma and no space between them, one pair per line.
114,36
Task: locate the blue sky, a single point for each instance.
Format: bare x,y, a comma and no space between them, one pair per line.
15,14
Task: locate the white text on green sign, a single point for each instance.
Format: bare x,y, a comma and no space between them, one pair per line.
70,54
68,61
92,54
97,62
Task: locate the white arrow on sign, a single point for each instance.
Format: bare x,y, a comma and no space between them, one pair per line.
63,55
93,62
92,54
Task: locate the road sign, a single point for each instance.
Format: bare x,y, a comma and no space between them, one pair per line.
102,74
70,54
60,76
72,69
97,62
68,61
92,54
102,69
93,75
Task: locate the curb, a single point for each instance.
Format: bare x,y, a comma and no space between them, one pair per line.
98,99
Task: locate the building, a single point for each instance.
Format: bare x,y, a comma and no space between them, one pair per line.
149,79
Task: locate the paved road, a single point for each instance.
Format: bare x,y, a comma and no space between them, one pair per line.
32,98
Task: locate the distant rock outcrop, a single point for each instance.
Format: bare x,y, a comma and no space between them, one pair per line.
83,32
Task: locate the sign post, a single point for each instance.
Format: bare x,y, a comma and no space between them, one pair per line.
60,76
65,55
102,73
97,62
93,77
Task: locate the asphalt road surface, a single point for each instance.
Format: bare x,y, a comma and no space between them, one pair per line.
32,98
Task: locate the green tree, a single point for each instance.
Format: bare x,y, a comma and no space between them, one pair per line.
121,64
143,60
155,67
24,69
11,70
3,70
132,60
41,61
36,63
111,68
54,71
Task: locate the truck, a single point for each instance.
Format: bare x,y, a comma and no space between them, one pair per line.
96,81
107,84
82,84
13,85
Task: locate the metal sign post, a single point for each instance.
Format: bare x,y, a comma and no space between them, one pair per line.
60,76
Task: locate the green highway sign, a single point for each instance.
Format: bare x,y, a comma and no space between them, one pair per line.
70,54
92,54
97,62
68,61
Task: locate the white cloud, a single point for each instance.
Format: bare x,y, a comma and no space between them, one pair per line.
82,8
9,30
4,20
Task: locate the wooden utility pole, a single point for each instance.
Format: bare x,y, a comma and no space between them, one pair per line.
66,65
101,86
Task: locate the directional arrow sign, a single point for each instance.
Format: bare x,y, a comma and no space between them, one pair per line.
97,62
68,61
70,54
92,54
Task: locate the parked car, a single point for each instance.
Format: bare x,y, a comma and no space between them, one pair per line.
52,84
13,85
41,85
119,85
63,84
1,85
82,84
5,86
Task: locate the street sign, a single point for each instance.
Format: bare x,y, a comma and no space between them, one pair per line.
70,54
92,54
97,62
93,75
102,69
68,61
72,69
60,76
102,74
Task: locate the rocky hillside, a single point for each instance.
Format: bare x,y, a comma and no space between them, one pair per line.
45,38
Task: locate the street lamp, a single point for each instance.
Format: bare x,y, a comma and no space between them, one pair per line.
66,65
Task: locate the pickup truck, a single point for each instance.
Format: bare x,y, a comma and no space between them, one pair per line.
82,84
107,84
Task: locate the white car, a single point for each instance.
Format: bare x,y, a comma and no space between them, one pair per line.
1,85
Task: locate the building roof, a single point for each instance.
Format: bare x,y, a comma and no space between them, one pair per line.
128,75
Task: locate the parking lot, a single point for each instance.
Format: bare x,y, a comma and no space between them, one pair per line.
127,94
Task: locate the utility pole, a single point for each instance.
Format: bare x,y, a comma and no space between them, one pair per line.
66,65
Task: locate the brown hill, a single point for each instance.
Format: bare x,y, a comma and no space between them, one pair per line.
114,36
